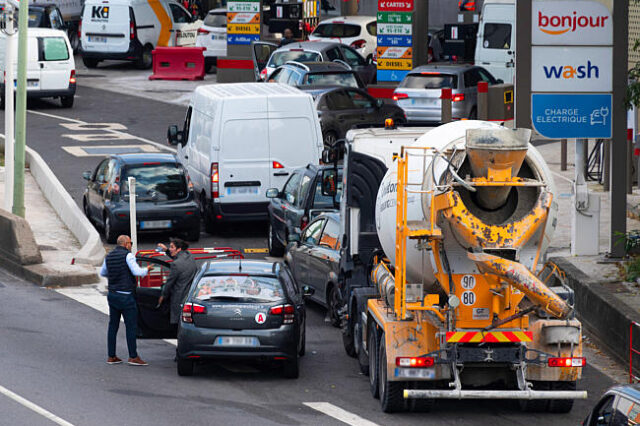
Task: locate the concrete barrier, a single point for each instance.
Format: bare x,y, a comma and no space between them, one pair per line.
18,243
92,251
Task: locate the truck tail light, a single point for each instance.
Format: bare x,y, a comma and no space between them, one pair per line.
415,362
458,97
192,308
359,44
72,77
287,311
215,180
567,362
399,95
80,29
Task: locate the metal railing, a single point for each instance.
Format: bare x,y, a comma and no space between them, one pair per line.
632,351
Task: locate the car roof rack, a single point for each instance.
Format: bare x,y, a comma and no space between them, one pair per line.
298,64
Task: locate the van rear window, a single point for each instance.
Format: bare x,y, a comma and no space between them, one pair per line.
216,20
52,49
337,30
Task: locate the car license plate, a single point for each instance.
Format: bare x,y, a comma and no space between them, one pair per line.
417,373
155,224
239,190
236,341
30,84
97,39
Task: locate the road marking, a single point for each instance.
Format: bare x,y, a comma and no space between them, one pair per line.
256,250
102,150
33,407
97,137
93,126
339,414
562,177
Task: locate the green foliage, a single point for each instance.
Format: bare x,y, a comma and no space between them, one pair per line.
632,269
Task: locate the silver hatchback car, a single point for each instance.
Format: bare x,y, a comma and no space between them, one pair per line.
419,93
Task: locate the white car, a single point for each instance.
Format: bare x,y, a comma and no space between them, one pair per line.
213,35
358,32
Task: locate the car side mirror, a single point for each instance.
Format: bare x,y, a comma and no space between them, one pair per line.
329,182
307,291
272,193
379,103
86,175
174,136
499,81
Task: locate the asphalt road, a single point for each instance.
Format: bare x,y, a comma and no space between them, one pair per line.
53,349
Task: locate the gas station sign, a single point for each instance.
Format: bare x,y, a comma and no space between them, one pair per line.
243,21
394,36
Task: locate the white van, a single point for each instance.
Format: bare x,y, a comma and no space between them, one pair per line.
131,29
496,42
238,140
51,70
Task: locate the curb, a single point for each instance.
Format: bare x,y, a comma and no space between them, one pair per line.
92,251
601,313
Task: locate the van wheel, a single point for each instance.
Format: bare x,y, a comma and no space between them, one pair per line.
66,101
276,249
145,61
333,302
90,63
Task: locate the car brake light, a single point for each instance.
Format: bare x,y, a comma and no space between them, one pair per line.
132,30
192,308
202,31
415,362
263,74
397,96
277,165
215,180
458,97
72,78
304,222
567,362
359,44
286,310
296,50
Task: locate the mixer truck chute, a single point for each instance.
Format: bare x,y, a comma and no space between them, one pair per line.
453,307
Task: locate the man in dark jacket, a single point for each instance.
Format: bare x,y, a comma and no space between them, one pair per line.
120,268
183,270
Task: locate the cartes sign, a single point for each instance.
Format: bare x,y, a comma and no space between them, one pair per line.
580,22
571,69
395,5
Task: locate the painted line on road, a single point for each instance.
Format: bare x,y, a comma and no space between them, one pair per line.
338,413
33,407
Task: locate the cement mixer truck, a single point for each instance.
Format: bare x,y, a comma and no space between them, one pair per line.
444,232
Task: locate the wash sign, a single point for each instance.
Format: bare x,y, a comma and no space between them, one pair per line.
571,115
571,69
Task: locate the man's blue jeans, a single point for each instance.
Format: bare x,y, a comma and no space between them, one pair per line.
125,305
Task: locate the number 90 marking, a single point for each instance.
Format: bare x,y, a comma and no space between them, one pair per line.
468,282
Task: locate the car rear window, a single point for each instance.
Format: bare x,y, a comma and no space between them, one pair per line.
337,30
331,79
235,288
53,49
430,81
156,181
216,20
279,58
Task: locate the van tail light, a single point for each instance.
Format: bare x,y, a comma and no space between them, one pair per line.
567,362
277,165
192,308
80,29
287,311
72,77
398,95
304,222
215,181
458,97
430,55
202,31
359,44
132,30
415,362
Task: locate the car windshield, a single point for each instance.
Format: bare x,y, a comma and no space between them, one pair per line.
430,81
337,30
216,20
331,79
156,181
299,55
236,288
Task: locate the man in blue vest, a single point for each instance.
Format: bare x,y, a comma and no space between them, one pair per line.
120,268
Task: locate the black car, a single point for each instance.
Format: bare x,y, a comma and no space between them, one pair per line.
341,108
165,199
235,309
315,262
316,74
619,405
299,201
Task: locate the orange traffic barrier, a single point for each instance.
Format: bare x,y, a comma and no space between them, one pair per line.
178,63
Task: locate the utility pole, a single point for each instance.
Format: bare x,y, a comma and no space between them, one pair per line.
9,60
21,111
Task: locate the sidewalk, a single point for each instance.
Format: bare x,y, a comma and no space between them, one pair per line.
57,244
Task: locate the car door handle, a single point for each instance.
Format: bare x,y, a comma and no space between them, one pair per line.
41,65
281,174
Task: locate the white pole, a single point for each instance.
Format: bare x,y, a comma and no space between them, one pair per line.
132,215
8,110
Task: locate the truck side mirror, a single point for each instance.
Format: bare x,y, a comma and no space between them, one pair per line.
329,182
174,136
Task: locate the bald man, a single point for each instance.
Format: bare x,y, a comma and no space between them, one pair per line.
120,268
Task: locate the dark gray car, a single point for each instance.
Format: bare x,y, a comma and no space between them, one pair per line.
314,261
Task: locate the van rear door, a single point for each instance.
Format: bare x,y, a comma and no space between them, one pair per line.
244,161
106,27
496,41
55,63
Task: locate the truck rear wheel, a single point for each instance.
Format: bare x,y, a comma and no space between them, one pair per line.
535,405
372,343
561,405
363,358
391,399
